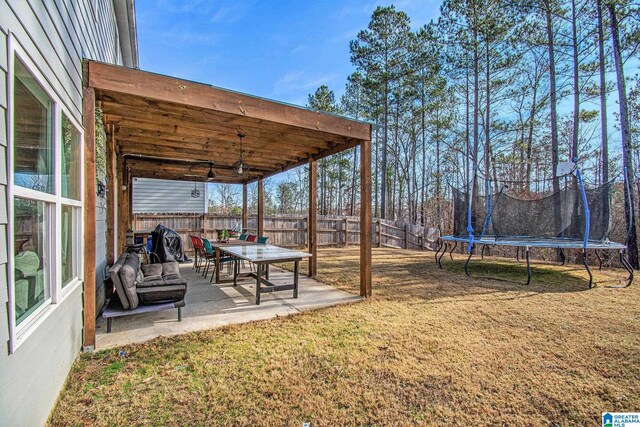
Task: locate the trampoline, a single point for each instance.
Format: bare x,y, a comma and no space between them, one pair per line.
512,214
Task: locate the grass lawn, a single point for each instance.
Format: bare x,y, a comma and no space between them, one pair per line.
431,347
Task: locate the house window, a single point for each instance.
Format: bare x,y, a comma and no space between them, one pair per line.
31,252
70,160
69,244
45,161
33,154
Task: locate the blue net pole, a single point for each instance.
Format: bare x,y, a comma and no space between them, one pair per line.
489,209
469,226
587,214
628,202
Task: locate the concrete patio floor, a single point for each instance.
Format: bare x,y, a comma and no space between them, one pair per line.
211,305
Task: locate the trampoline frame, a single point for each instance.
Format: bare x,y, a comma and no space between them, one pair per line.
528,243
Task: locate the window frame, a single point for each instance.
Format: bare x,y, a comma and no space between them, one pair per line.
18,333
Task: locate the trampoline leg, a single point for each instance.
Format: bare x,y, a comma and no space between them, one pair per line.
599,260
442,254
455,245
518,253
627,265
526,254
562,257
584,261
440,245
482,252
466,264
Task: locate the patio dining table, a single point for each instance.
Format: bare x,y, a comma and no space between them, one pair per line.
217,248
263,255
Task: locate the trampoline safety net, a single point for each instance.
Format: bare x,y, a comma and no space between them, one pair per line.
510,212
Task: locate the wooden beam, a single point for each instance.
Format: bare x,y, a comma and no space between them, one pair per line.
218,123
89,215
365,218
164,88
245,207
313,218
317,156
123,204
111,196
260,207
176,150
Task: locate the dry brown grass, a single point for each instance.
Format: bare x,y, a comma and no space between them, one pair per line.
431,347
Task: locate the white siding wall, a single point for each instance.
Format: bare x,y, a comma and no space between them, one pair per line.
56,34
164,196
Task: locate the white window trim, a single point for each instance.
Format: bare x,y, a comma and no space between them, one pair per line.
18,334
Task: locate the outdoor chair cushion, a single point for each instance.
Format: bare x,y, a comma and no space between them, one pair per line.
124,274
151,281
170,268
262,240
152,270
156,295
251,238
243,236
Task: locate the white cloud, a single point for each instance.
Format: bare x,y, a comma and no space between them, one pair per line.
231,13
294,86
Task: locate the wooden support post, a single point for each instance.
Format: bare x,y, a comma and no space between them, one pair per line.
89,211
130,202
260,207
111,196
123,199
365,218
312,223
379,233
245,207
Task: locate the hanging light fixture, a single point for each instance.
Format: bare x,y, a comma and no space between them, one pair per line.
240,167
210,175
195,193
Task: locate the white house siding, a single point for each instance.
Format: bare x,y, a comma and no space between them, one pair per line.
56,34
165,196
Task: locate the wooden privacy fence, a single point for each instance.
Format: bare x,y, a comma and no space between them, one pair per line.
291,231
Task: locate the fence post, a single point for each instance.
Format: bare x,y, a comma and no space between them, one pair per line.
406,236
379,232
346,231
204,225
422,239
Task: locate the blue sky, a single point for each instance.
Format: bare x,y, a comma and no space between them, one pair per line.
281,50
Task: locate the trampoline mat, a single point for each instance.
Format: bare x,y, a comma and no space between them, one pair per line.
531,242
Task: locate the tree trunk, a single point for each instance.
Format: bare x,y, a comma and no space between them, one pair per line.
383,184
424,154
627,161
487,132
576,83
603,114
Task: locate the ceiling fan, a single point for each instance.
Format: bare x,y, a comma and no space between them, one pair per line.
210,175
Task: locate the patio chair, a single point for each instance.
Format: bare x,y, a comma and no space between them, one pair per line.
201,255
210,257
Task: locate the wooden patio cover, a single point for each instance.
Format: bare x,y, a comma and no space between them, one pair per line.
167,128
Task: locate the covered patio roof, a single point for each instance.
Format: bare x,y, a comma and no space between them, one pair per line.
170,128
162,127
